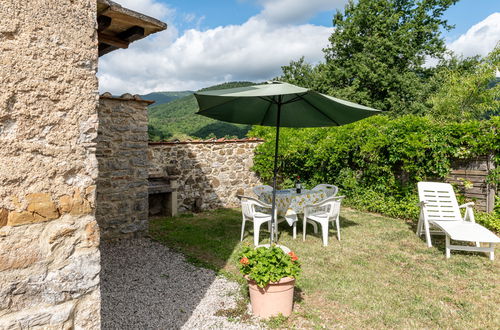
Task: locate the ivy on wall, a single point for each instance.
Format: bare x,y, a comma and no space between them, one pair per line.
378,161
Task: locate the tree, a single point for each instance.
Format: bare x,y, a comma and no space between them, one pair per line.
299,73
469,94
378,49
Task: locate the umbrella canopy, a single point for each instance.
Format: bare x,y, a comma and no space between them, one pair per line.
259,104
279,104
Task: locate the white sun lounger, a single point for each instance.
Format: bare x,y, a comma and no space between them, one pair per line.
439,210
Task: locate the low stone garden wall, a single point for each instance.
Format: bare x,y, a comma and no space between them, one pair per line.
210,174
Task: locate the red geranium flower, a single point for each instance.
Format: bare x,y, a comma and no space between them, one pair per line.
293,255
244,261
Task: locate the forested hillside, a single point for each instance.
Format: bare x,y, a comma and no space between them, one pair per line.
177,119
165,97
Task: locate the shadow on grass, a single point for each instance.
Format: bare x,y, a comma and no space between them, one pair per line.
345,223
439,242
209,239
298,294
332,230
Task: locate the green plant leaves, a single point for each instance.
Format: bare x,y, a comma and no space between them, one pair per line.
265,265
378,161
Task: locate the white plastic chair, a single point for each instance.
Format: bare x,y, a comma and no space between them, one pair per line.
251,211
258,190
328,188
292,219
323,213
440,214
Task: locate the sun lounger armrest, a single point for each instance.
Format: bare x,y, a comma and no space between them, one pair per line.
469,204
469,211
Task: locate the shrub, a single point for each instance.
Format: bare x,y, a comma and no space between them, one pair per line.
378,161
489,220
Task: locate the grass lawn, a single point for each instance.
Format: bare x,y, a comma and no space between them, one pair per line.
381,275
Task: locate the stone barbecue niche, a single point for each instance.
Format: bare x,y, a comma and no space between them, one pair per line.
162,191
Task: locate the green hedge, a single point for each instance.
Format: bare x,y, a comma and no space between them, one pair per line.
378,161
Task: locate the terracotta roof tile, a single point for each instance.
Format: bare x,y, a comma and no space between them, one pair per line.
124,97
209,141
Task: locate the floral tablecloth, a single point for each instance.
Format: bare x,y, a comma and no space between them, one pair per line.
288,201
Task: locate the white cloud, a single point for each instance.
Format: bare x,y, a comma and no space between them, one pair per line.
148,7
254,51
480,39
295,11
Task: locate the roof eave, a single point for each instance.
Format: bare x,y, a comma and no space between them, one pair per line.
119,26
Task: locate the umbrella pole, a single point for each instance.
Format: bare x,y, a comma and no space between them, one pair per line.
274,220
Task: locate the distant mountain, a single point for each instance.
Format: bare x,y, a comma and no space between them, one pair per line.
177,119
165,97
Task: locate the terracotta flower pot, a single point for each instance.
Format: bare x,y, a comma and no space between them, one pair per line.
272,300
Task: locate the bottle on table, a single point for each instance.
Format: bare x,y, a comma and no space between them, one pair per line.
298,185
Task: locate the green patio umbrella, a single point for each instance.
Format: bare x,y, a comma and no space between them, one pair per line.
279,104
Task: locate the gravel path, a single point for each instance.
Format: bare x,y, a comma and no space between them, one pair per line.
145,285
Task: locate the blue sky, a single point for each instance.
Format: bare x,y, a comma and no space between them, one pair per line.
467,13
213,41
226,12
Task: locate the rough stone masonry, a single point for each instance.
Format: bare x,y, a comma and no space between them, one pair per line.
49,238
122,154
210,173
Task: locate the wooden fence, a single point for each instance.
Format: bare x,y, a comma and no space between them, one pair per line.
469,176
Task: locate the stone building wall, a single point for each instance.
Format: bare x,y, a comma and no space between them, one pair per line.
210,174
122,154
49,238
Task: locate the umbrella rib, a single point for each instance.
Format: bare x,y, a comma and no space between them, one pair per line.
298,97
321,112
217,105
268,99
273,101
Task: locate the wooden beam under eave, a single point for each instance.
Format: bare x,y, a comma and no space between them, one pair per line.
103,22
105,48
112,41
132,34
